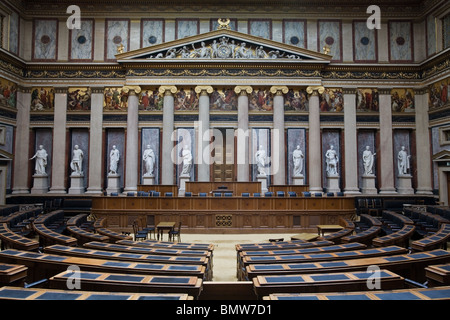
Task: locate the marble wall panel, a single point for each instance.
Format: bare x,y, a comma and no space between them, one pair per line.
14,32
294,33
260,137
7,143
365,46
436,148
402,138
81,41
445,31
366,138
45,39
117,33
186,28
185,139
296,137
330,137
431,35
260,28
402,100
8,93
152,32
80,137
150,136
400,41
330,35
214,24
115,137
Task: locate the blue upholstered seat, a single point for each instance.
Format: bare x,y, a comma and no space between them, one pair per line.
188,194
202,194
169,194
246,194
114,194
280,193
257,194
307,194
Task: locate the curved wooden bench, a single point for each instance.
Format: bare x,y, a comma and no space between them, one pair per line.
436,240
47,237
400,237
11,274
437,293
84,236
13,240
363,237
281,245
16,293
336,237
329,282
100,228
113,282
168,245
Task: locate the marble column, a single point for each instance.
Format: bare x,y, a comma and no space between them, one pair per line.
423,158
350,140
95,142
59,160
243,135
314,141
22,140
167,163
132,146
278,154
386,151
203,152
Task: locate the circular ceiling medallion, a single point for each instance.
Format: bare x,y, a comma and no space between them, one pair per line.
365,41
152,39
81,39
45,39
400,41
295,40
329,41
117,39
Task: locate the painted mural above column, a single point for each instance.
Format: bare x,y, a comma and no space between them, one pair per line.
223,100
402,100
116,99
331,100
150,99
367,100
79,99
186,99
439,94
8,93
42,99
260,100
296,100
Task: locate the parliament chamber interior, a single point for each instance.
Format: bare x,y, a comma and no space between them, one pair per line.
224,151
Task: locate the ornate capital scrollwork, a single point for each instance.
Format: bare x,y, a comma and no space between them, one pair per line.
315,90
243,89
167,90
279,90
204,89
131,89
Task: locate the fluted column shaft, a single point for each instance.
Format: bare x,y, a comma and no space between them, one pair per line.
314,143
132,146
167,164
242,148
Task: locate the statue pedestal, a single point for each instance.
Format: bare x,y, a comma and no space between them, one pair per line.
40,184
263,180
298,180
76,184
113,183
182,189
333,183
405,184
368,184
148,180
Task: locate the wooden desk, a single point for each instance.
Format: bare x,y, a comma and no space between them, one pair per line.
305,236
164,226
322,228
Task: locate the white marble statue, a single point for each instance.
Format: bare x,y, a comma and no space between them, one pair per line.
41,161
403,161
332,160
114,157
187,161
297,157
260,157
77,161
368,159
149,160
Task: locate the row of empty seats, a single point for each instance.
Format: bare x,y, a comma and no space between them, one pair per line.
230,194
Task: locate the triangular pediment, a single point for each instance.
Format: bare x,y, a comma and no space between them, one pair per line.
223,45
443,155
5,156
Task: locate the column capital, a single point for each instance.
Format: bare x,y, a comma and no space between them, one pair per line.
315,90
279,90
97,90
203,89
167,90
348,90
420,91
385,91
130,89
62,90
243,89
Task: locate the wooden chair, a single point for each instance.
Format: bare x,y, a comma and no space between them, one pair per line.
175,233
138,234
